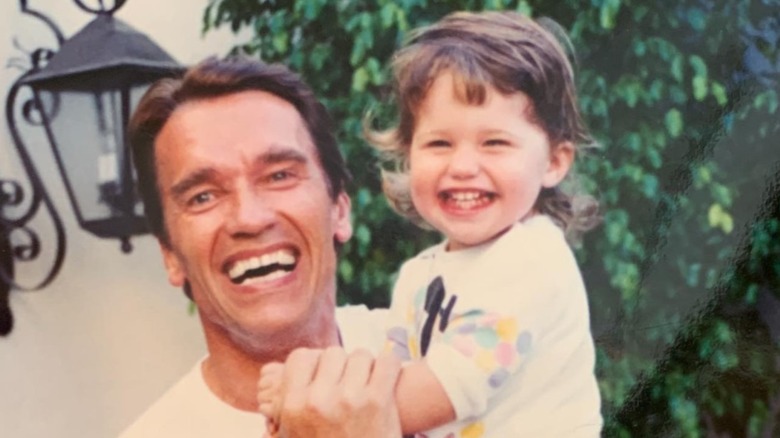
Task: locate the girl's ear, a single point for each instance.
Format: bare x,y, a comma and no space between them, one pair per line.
561,159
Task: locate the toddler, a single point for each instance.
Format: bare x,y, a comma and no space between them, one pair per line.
492,323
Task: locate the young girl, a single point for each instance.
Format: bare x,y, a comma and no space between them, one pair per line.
493,321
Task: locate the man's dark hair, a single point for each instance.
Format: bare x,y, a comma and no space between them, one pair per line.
215,78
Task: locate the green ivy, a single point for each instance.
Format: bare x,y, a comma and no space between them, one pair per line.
683,97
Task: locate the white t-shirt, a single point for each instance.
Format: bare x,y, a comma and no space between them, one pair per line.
190,410
508,335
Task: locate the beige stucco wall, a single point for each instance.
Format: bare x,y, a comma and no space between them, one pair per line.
97,346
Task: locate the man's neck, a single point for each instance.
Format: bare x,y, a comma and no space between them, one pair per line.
232,382
231,371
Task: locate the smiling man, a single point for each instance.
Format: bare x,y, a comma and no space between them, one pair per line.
243,186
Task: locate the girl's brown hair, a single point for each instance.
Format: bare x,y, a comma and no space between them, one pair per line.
511,53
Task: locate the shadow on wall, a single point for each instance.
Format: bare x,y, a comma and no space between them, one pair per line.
6,265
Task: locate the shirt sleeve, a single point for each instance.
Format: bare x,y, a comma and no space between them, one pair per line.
400,319
476,355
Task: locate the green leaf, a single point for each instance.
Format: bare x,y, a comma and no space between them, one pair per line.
634,141
677,68
358,52
363,234
524,8
346,270
697,18
654,157
692,274
640,48
650,186
722,194
699,87
674,122
387,14
360,79
632,94
717,217
698,65
719,92
280,42
609,9
751,294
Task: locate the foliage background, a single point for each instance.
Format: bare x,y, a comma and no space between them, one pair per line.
684,272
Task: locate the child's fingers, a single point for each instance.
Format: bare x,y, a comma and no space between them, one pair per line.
270,375
269,394
267,409
271,429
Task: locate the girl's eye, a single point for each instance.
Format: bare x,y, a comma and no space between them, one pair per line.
496,142
438,144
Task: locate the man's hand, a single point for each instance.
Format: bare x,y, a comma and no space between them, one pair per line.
329,394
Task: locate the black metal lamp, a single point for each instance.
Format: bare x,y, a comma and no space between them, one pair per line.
82,97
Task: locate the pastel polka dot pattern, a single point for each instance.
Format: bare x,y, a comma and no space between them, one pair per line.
523,344
473,430
505,354
491,341
414,348
486,360
486,337
507,329
465,345
498,378
466,328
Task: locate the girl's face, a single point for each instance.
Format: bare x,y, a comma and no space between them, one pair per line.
477,169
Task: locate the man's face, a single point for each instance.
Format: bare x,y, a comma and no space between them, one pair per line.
250,222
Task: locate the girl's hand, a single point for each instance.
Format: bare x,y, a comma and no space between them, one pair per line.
269,396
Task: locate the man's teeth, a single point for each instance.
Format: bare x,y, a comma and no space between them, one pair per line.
269,266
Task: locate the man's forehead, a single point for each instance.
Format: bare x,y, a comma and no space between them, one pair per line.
263,103
257,126
233,117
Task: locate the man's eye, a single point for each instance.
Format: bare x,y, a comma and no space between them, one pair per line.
201,198
280,175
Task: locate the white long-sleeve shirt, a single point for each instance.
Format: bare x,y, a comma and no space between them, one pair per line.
510,338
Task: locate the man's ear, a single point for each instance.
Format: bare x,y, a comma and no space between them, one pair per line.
341,218
561,160
173,266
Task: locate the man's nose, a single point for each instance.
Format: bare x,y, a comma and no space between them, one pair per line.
251,214
464,162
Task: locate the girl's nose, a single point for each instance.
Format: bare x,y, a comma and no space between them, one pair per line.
464,162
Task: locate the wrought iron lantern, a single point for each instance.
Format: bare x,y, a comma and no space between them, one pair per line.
81,96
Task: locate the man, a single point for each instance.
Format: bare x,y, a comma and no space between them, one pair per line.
243,186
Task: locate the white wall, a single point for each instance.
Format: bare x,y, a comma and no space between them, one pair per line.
109,335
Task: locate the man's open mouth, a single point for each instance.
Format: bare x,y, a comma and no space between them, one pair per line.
266,267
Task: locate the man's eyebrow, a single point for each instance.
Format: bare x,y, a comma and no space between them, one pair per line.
281,154
194,179
277,154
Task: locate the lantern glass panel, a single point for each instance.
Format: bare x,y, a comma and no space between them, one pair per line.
87,130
